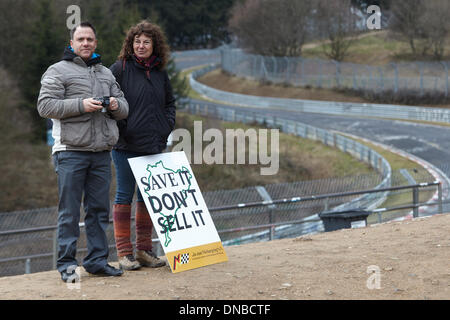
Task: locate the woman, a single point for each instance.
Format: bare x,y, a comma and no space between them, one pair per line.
145,83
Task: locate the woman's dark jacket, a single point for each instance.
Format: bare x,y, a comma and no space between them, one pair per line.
151,115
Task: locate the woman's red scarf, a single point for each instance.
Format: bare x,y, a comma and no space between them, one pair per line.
148,64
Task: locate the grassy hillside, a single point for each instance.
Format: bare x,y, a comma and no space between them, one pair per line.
299,159
373,48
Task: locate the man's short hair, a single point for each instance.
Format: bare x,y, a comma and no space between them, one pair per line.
85,24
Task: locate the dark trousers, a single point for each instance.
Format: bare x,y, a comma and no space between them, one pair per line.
88,173
126,183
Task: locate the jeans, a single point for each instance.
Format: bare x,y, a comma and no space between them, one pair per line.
88,173
126,184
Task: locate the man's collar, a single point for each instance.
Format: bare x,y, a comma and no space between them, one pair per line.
69,54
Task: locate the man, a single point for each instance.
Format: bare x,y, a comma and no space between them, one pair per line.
84,133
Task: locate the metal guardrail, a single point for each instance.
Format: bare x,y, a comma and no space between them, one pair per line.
323,107
269,234
36,247
53,254
272,228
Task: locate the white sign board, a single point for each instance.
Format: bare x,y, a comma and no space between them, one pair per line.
178,211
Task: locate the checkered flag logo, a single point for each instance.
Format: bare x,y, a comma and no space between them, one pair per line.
180,259
184,258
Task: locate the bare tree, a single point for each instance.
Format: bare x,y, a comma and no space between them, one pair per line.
271,27
424,24
407,22
336,21
436,25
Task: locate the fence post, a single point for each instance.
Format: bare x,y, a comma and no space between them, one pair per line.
272,229
381,79
28,266
275,68
261,70
319,78
287,70
230,59
266,197
421,77
440,197
396,77
369,82
253,68
264,69
446,77
302,79
338,73
222,60
415,202
55,248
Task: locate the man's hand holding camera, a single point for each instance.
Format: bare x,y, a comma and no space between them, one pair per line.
97,104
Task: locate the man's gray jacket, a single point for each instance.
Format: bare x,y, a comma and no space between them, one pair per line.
63,87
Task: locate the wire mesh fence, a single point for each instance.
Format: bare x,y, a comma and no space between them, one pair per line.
28,238
191,58
421,77
325,107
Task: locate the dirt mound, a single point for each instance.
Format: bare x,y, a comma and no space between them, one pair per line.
395,260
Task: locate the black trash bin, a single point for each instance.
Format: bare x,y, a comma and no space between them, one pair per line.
335,220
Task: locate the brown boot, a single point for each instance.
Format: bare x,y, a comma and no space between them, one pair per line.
128,262
149,259
144,228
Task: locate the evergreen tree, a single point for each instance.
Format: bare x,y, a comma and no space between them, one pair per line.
192,23
364,4
44,44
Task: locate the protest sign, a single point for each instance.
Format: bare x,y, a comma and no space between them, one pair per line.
179,213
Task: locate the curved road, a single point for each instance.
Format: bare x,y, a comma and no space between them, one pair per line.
428,142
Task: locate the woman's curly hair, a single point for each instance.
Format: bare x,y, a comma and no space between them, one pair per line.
160,47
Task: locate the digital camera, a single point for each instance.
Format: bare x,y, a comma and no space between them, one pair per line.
105,103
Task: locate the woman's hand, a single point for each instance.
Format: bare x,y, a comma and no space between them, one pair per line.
113,103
